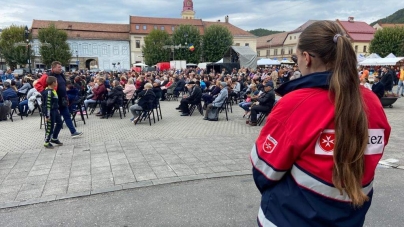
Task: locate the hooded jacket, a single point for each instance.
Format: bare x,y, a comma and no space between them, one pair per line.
293,175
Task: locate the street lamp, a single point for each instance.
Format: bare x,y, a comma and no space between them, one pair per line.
77,60
269,51
26,38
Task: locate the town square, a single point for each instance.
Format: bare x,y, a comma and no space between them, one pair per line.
201,116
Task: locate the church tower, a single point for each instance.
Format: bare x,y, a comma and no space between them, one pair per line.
188,10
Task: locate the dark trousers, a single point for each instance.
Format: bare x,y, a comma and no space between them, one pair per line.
163,94
53,126
258,109
105,109
184,105
177,91
207,98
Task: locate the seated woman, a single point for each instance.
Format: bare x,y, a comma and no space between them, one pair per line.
169,85
130,89
72,95
145,102
24,88
115,96
209,97
252,95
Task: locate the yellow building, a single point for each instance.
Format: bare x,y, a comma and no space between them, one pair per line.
188,10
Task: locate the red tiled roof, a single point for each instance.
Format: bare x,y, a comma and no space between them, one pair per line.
85,30
167,23
358,30
277,40
235,31
303,26
361,37
391,25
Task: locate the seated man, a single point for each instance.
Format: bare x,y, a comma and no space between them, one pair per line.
9,93
264,104
115,96
378,87
219,100
193,98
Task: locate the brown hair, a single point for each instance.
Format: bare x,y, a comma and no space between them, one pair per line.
50,80
55,63
351,122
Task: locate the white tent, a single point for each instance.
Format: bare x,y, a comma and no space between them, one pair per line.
140,64
286,61
391,55
374,55
360,57
244,55
267,61
220,61
382,61
192,64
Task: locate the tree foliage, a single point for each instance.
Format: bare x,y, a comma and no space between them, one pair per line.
153,50
12,53
216,40
395,18
186,35
388,40
58,50
263,32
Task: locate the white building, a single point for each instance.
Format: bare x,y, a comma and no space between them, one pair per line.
93,45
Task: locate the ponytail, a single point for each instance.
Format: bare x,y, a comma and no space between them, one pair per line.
325,39
351,124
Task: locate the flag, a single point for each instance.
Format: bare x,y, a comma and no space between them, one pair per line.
191,47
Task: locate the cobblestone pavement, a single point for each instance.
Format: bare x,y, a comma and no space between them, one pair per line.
114,154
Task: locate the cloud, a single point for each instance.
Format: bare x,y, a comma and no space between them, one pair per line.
282,15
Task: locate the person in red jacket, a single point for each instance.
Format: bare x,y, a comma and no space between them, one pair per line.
98,91
314,161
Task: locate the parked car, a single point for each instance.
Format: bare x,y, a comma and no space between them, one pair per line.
21,72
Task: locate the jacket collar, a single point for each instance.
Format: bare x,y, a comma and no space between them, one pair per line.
314,80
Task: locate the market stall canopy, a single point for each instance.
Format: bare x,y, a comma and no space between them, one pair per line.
286,61
374,55
191,64
267,61
382,61
391,55
140,64
360,57
246,56
220,61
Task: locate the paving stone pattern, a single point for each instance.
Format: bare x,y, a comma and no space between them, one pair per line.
114,154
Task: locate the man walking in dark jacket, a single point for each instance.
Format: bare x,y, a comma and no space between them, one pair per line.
387,79
265,103
194,98
62,95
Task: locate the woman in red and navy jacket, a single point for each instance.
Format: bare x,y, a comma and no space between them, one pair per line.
314,161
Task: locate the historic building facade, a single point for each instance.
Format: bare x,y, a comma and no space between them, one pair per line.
93,45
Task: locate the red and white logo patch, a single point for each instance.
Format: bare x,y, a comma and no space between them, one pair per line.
326,142
269,144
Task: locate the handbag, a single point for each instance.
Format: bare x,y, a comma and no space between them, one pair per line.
213,114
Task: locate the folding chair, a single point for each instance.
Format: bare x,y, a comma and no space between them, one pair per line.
120,108
14,107
261,118
194,106
80,104
156,106
146,114
224,107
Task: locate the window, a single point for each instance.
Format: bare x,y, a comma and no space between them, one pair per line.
124,50
95,49
162,28
364,49
36,50
295,37
237,44
276,52
85,48
116,50
104,50
137,27
259,53
172,28
144,27
282,51
247,44
74,47
137,43
356,48
155,27
290,37
268,52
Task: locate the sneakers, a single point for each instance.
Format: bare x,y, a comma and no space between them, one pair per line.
76,134
57,142
48,146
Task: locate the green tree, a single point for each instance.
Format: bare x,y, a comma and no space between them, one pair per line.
153,50
54,45
263,32
13,47
388,40
186,35
216,41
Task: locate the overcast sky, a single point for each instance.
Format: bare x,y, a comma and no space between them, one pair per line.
246,14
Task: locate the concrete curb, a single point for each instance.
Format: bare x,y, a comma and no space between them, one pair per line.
139,184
